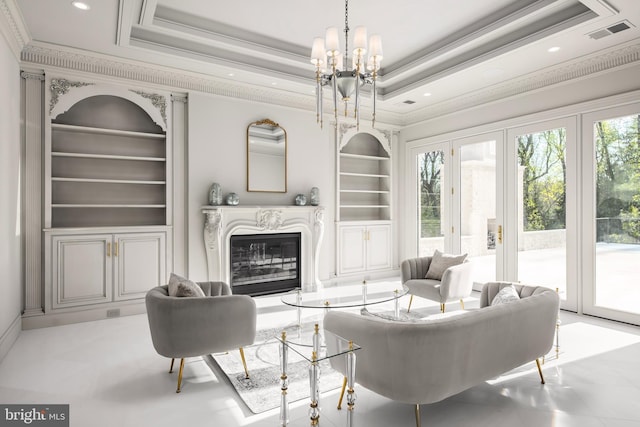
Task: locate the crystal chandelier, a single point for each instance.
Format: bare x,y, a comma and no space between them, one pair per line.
345,81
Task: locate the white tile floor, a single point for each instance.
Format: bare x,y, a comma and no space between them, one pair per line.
110,375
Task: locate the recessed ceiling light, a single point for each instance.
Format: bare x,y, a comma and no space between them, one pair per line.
81,5
230,74
553,49
427,94
274,83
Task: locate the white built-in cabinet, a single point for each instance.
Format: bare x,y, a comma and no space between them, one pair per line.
99,268
364,248
107,213
363,214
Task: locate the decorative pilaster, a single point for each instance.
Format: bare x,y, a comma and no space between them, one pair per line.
33,142
178,168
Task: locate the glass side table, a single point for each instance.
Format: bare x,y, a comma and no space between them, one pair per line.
314,353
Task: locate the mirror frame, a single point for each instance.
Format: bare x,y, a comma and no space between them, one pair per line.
286,148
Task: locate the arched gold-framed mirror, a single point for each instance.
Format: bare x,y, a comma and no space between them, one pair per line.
266,157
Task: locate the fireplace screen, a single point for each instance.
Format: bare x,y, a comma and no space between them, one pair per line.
265,263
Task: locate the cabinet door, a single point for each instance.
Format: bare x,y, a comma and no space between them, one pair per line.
140,263
352,249
378,247
82,270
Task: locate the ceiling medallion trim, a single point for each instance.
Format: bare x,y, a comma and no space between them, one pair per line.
593,65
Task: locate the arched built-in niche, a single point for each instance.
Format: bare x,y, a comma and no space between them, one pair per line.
364,180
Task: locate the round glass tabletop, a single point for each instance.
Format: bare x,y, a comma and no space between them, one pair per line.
345,296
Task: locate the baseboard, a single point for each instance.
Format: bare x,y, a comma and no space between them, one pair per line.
78,316
10,336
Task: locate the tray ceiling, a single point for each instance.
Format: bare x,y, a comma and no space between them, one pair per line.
450,50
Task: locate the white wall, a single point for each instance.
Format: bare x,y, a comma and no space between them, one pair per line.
10,221
217,153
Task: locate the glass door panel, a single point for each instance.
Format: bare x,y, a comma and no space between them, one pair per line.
478,219
540,198
431,202
617,221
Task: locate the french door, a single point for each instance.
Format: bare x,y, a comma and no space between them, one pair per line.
611,205
507,199
458,203
541,212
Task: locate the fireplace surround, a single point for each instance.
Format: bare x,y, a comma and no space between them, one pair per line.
222,222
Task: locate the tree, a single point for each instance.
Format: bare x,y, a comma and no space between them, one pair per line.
430,167
544,179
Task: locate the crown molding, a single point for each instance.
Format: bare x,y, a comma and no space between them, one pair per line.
94,63
583,68
13,27
76,60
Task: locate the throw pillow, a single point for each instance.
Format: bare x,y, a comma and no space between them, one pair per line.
506,294
176,280
186,289
440,262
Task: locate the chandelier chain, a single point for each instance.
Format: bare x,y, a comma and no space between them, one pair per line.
346,33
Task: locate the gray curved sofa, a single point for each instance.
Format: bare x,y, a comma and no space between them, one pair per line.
429,360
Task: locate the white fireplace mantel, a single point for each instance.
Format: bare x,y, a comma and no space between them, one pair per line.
222,222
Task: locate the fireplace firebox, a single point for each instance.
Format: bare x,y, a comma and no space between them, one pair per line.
265,263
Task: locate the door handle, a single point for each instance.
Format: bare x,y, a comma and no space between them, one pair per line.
500,234
115,248
108,249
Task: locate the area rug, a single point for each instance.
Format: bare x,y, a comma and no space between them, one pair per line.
261,392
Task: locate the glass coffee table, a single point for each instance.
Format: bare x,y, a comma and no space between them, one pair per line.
345,297
313,352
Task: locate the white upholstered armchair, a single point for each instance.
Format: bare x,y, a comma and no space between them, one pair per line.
455,282
194,326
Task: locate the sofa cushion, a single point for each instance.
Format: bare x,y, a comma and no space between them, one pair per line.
506,294
440,262
182,287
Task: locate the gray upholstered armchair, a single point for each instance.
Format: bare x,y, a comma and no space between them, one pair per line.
194,326
455,284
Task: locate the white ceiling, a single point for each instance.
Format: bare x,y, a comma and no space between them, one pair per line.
451,49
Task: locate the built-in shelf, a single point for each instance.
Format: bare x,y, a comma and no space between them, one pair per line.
107,156
81,205
108,181
364,206
102,176
362,156
366,191
105,131
364,179
367,175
